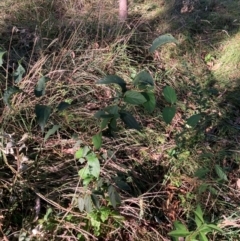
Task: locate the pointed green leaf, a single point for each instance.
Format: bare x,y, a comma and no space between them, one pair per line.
114,79
221,174
81,204
143,79
193,120
179,226
161,40
9,93
42,115
198,216
18,73
97,140
202,237
93,164
1,57
179,233
113,196
215,227
51,132
129,120
150,104
88,203
170,95
39,89
134,97
168,114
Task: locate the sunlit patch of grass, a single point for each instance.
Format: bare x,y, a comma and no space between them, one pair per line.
227,62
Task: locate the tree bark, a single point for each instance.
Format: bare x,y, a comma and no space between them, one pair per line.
123,10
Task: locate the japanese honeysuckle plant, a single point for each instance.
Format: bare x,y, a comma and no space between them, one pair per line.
142,94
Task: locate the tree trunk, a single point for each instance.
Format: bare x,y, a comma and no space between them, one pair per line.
123,10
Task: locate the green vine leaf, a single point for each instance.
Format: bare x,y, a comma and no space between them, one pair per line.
161,40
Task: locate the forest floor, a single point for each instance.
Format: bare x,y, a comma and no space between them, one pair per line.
152,181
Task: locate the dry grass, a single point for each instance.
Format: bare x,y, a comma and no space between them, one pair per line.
75,43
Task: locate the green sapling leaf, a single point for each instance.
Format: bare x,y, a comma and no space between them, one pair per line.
193,120
170,95
129,120
150,104
114,79
168,114
143,79
134,97
161,40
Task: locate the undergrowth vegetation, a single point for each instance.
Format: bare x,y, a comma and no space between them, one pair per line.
119,131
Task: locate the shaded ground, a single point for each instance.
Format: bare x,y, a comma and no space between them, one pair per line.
158,166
